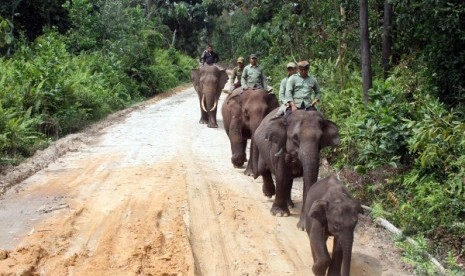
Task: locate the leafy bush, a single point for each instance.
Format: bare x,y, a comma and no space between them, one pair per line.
59,83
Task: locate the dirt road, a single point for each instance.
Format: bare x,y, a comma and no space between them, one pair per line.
154,193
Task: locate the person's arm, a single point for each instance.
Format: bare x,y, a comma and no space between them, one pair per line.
289,93
244,78
265,86
217,58
233,76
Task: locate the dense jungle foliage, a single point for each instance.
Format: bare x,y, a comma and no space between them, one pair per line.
64,64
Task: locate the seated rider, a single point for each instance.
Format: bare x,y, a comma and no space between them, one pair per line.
291,70
237,74
253,76
209,56
302,90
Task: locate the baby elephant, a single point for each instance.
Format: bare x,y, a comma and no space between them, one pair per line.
330,210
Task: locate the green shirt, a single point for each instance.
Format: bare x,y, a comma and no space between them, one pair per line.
253,77
300,90
237,73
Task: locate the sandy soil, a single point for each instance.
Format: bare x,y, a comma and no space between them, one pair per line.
149,191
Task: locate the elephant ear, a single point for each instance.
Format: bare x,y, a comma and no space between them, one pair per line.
330,134
276,131
318,210
195,77
271,102
222,80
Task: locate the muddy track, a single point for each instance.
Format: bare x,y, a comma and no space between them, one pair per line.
152,192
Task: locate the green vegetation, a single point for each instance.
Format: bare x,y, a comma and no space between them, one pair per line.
403,151
55,82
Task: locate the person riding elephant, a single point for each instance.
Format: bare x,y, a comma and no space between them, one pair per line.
209,56
290,147
237,74
302,91
253,76
208,82
242,113
330,210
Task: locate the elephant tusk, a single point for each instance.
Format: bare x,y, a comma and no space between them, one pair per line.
214,106
202,103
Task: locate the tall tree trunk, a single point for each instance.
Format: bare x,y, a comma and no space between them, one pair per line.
342,44
365,46
387,38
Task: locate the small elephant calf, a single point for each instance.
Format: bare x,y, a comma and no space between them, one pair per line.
330,210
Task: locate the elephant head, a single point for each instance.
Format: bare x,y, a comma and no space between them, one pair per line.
331,212
301,135
209,81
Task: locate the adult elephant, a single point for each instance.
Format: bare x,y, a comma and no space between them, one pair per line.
242,111
208,82
290,147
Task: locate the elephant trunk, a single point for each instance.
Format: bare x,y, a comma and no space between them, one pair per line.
310,159
347,254
202,103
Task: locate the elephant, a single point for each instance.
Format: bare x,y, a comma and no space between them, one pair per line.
242,111
330,210
289,147
209,81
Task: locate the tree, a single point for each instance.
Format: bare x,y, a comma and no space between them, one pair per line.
387,37
365,46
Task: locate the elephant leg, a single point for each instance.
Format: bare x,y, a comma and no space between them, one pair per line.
244,148
321,258
212,119
268,185
336,259
280,207
249,170
203,115
288,187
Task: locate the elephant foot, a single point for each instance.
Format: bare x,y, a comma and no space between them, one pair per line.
290,203
212,125
269,190
280,212
301,225
203,122
248,172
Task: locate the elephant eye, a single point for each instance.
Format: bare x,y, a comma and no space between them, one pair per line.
336,226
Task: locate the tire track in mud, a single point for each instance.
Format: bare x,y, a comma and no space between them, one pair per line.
207,243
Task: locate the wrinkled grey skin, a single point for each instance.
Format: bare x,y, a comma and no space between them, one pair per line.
242,113
301,135
209,81
330,210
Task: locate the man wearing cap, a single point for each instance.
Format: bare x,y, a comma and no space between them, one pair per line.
237,73
253,75
209,57
302,90
291,70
